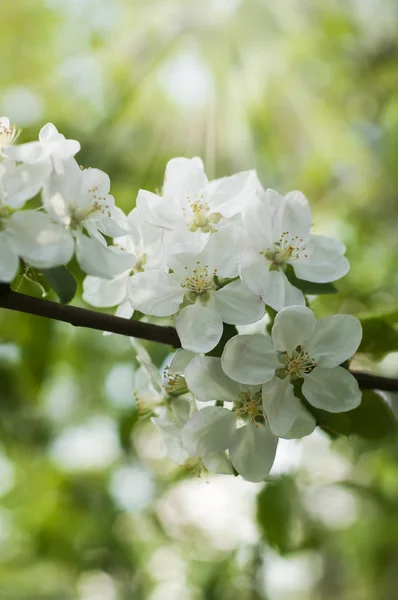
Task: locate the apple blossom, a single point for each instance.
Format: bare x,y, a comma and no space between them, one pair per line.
191,207
79,199
191,291
145,243
300,349
251,446
8,133
279,232
52,148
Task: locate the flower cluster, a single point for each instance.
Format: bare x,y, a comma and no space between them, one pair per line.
204,254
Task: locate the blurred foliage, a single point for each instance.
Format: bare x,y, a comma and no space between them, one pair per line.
306,92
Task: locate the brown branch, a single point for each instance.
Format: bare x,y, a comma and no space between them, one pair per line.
82,317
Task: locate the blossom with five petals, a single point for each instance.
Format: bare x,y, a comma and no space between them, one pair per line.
279,232
192,291
300,349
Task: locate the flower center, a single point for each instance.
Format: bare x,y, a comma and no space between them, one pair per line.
200,281
285,249
298,363
175,384
8,135
198,216
249,405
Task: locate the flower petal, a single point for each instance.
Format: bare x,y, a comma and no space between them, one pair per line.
100,260
217,462
334,390
183,177
9,261
233,193
124,310
293,326
171,434
155,292
285,413
180,361
252,449
223,250
324,262
250,359
279,292
199,327
238,305
257,219
208,430
158,211
38,241
255,271
334,340
104,292
292,217
207,381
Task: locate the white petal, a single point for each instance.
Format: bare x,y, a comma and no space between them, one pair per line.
279,292
38,241
23,182
223,250
233,194
250,359
285,413
183,177
334,390
255,271
154,292
101,261
180,361
199,327
208,430
252,449
293,215
124,310
207,381
325,261
238,305
172,440
9,261
217,462
293,327
104,292
158,211
257,219
334,340
28,153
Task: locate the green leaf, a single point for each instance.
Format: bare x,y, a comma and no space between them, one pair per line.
373,419
126,426
378,337
309,287
275,512
62,282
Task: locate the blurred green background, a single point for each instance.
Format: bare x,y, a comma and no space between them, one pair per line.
306,92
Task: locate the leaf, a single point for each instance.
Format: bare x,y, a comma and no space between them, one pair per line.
309,287
275,512
373,419
378,337
62,282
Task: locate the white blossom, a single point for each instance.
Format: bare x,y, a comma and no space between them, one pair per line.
279,232
52,148
191,207
300,349
192,292
144,242
8,133
79,199
242,431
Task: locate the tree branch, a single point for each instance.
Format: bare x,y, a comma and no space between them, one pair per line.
82,317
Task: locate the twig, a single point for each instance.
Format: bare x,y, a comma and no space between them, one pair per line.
82,317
